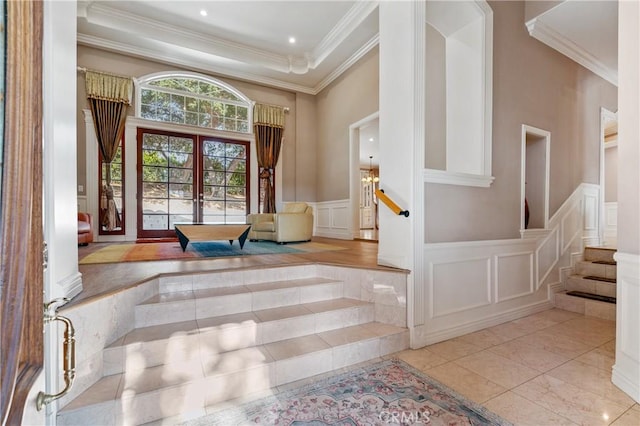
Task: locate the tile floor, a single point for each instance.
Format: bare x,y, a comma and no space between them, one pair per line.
550,368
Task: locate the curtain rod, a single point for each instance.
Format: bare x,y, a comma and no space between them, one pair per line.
84,70
286,109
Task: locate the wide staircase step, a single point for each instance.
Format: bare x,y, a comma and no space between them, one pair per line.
193,349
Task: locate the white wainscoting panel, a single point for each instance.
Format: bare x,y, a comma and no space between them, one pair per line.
511,278
332,219
547,255
471,285
473,275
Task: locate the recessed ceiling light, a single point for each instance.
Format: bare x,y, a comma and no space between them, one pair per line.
370,139
292,40
203,12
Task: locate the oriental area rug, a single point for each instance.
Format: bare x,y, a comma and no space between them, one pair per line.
388,392
132,252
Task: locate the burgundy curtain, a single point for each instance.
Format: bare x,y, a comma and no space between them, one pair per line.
269,130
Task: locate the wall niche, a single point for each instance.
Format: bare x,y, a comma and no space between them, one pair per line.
458,89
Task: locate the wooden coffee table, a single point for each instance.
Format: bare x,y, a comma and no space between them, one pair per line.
190,232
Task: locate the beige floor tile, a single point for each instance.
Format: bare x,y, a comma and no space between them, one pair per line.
569,401
557,315
590,331
421,359
630,418
150,379
600,358
453,349
465,382
283,312
498,369
591,379
328,305
226,321
164,331
482,339
346,335
534,323
529,355
559,344
295,347
521,411
508,331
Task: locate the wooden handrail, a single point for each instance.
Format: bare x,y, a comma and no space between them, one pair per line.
393,206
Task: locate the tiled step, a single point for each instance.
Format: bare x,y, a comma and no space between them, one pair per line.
599,254
169,343
581,305
605,270
595,285
181,306
209,378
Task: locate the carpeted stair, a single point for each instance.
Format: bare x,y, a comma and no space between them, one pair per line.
591,290
193,349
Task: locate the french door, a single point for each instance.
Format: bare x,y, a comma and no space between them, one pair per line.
189,178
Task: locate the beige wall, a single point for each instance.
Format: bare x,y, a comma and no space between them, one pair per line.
436,101
292,174
350,98
535,85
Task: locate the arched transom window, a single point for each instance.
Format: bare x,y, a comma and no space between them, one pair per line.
194,100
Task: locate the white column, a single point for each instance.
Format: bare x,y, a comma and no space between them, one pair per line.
60,152
398,122
626,371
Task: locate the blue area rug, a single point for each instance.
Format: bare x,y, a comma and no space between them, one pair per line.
223,248
388,392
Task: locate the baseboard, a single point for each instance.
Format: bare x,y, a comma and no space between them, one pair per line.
71,286
430,338
625,384
334,233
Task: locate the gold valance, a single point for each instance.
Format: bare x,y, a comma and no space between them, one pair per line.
268,114
109,87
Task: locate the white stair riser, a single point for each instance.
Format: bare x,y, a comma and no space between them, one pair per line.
184,310
137,408
223,339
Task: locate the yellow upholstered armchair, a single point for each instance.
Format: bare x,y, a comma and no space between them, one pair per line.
294,223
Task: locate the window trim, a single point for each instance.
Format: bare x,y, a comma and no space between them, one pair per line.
143,83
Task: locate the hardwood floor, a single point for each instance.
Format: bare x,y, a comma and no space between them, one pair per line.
103,279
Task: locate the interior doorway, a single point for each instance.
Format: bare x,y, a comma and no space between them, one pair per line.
364,167
609,178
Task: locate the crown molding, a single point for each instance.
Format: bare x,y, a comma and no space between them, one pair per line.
191,63
542,32
109,17
338,34
373,42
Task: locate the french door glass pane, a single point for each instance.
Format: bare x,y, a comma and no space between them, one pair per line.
186,179
167,179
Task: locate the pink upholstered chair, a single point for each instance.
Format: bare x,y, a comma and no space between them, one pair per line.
85,228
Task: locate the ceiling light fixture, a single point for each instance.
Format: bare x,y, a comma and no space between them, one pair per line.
372,176
203,12
370,139
292,40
